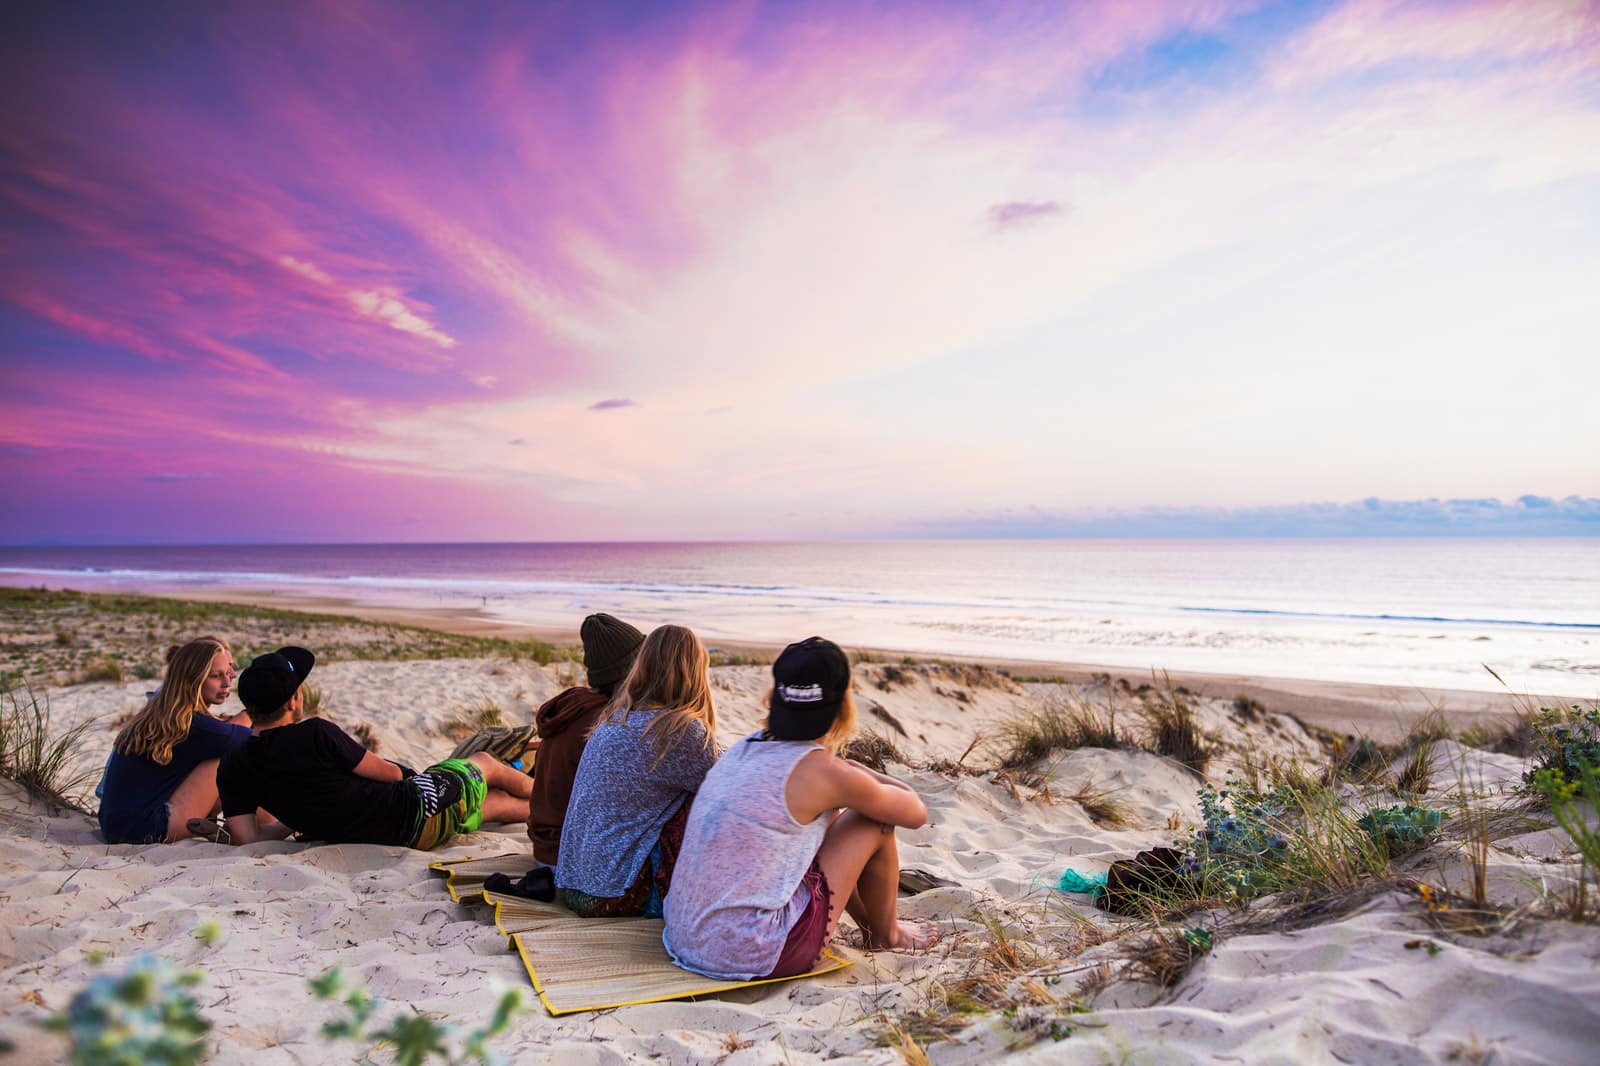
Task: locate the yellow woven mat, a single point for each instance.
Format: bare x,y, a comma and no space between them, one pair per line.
513,914
578,964
465,877
584,964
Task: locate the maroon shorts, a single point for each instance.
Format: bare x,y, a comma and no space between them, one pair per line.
810,934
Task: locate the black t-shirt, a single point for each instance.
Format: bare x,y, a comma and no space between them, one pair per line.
304,774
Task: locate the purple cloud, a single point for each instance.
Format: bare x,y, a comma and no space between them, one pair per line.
612,405
1015,213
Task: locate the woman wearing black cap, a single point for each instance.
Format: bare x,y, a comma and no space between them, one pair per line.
785,836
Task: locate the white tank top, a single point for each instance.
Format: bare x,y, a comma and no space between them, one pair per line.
736,887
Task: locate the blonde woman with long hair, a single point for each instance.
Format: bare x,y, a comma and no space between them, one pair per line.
638,776
786,836
163,766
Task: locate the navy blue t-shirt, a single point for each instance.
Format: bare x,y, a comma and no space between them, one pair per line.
304,775
133,803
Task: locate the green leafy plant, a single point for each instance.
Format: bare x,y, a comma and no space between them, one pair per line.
1566,740
415,1038
1402,828
1564,795
1260,839
144,1017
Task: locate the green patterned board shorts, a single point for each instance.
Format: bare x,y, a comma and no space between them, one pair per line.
450,797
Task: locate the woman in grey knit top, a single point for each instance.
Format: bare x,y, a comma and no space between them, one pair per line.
636,780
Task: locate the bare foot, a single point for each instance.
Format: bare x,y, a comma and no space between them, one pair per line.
914,934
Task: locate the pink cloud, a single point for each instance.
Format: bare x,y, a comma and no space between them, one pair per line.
1366,34
377,257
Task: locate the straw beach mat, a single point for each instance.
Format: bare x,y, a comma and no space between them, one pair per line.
581,964
578,964
464,878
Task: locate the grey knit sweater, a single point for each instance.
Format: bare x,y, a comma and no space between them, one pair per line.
621,800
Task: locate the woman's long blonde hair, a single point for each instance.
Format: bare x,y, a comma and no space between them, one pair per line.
843,727
164,721
672,676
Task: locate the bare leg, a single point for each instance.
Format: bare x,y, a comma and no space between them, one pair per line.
195,797
498,776
862,864
501,807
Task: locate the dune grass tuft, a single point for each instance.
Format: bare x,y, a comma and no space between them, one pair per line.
1101,806
1062,722
38,757
1174,733
873,750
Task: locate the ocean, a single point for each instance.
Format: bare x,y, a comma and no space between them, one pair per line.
1411,612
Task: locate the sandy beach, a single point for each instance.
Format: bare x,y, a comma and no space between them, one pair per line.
1365,971
1380,711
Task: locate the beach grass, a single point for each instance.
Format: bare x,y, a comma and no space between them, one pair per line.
60,636
38,756
1059,722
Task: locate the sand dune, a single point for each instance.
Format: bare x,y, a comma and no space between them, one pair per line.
1377,982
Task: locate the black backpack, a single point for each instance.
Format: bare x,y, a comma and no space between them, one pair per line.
1130,882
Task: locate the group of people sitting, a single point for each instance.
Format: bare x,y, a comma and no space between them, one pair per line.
751,853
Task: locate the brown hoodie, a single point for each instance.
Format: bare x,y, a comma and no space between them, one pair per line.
564,726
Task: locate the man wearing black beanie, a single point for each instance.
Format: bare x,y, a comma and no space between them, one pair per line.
609,647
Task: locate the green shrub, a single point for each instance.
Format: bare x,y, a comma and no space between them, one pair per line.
415,1038
1259,841
1566,740
145,1017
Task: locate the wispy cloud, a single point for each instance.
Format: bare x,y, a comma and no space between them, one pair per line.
1022,212
172,479
911,255
1526,516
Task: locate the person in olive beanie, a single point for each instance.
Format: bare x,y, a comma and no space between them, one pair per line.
609,647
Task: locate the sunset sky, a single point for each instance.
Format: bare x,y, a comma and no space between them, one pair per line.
633,271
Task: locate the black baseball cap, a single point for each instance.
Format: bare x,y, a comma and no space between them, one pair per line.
809,682
271,679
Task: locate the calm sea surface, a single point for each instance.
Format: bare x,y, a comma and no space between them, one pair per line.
1411,612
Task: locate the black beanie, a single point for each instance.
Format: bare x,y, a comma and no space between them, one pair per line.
609,648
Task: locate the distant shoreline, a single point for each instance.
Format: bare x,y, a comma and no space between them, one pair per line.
1380,711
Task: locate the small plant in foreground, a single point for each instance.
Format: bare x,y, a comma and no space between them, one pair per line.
415,1038
1563,795
1566,740
145,1017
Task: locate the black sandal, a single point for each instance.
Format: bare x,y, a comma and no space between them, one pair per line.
206,829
